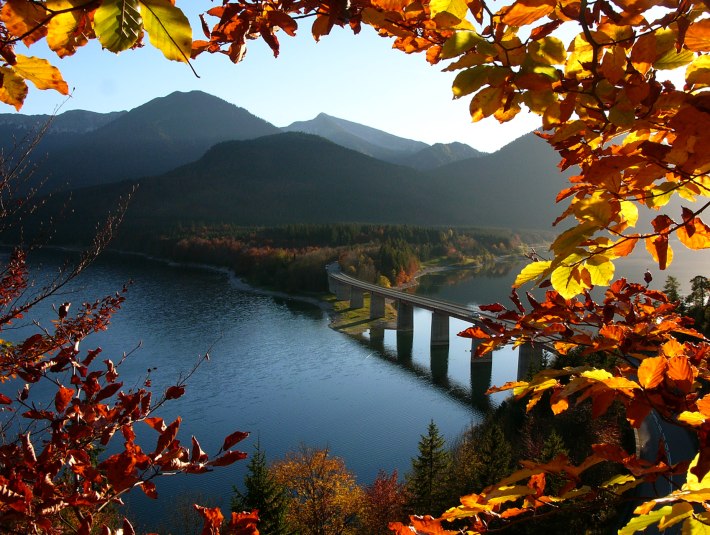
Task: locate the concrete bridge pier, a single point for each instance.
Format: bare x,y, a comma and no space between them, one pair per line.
405,343
342,291
377,306
357,298
439,329
475,342
332,285
405,317
439,365
529,359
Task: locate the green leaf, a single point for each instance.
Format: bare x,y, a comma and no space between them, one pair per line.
462,41
673,59
118,24
470,80
168,29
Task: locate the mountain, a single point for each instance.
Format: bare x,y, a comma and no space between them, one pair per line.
381,145
439,154
276,180
69,122
150,139
360,138
514,187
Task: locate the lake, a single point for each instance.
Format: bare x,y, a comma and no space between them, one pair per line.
278,371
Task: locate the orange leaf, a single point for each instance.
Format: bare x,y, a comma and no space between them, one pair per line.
680,370
643,54
704,405
697,37
694,234
234,438
660,251
243,524
213,519
524,12
62,398
21,17
652,371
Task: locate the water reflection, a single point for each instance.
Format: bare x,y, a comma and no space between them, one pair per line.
442,367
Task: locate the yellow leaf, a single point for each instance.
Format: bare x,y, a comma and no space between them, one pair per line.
695,419
548,51
41,73
691,480
65,32
600,269
699,524
629,213
168,29
485,103
448,13
694,234
118,24
570,240
679,511
697,37
13,89
534,270
620,479
580,53
640,523
698,72
567,280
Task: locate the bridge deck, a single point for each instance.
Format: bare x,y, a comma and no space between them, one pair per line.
435,305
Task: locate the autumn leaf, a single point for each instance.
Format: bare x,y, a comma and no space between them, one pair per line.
233,439
652,371
168,29
62,398
118,24
14,89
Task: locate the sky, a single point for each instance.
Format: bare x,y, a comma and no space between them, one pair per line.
358,78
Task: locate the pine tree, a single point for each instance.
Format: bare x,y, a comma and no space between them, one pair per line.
264,494
428,482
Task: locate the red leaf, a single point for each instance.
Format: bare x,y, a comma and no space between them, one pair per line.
495,307
174,392
156,423
198,455
167,436
228,458
4,400
108,391
234,438
150,490
128,528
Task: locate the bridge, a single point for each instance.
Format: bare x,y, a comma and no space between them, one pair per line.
347,288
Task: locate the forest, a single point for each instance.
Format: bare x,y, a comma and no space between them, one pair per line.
292,258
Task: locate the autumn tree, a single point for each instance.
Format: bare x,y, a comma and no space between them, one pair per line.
324,496
264,494
427,483
385,501
621,91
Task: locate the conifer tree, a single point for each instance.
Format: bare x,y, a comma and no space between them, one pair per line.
428,482
264,494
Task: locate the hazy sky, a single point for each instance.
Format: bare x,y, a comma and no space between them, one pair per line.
359,78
